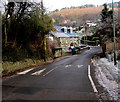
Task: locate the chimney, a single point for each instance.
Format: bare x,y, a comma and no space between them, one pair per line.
64,29
70,30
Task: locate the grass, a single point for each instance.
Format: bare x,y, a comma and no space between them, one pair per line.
12,66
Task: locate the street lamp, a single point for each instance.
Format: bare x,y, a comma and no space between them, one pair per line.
115,62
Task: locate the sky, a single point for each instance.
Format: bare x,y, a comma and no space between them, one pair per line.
58,4
51,5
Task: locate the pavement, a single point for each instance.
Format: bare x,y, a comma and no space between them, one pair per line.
66,79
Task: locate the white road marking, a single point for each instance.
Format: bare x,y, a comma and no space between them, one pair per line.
90,78
38,72
79,66
25,72
75,55
67,66
49,71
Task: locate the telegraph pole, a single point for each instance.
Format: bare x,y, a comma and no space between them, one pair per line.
85,37
115,62
43,34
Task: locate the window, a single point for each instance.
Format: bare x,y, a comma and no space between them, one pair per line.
66,40
62,40
75,39
70,40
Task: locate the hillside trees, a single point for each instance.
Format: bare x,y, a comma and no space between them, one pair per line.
106,15
25,26
105,28
78,14
82,6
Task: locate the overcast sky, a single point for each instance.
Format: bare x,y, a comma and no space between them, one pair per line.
58,4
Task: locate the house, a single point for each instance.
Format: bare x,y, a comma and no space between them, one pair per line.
66,21
65,36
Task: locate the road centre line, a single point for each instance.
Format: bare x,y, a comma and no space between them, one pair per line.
25,72
91,80
50,71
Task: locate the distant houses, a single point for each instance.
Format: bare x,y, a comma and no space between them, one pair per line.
65,21
65,36
86,29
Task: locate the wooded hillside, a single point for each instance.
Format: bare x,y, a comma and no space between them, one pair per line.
79,14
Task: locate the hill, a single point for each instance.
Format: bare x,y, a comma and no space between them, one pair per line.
80,15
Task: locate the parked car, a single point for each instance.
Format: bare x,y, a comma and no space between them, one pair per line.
84,47
73,50
77,49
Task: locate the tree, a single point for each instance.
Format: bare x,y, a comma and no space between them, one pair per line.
106,14
105,28
26,25
56,10
14,12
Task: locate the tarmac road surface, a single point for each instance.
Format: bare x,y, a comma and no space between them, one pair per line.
66,79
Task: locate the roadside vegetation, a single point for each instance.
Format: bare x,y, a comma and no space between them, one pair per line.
24,29
80,14
18,65
104,30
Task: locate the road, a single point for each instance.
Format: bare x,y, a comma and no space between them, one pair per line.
66,79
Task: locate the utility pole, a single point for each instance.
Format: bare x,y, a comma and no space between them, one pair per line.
115,62
43,34
85,34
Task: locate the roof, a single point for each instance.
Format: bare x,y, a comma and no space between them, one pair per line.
58,33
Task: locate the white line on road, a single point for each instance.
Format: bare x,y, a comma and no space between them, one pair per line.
75,55
38,72
25,72
67,66
90,78
49,71
79,66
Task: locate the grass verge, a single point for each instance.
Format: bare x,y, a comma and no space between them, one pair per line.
10,68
